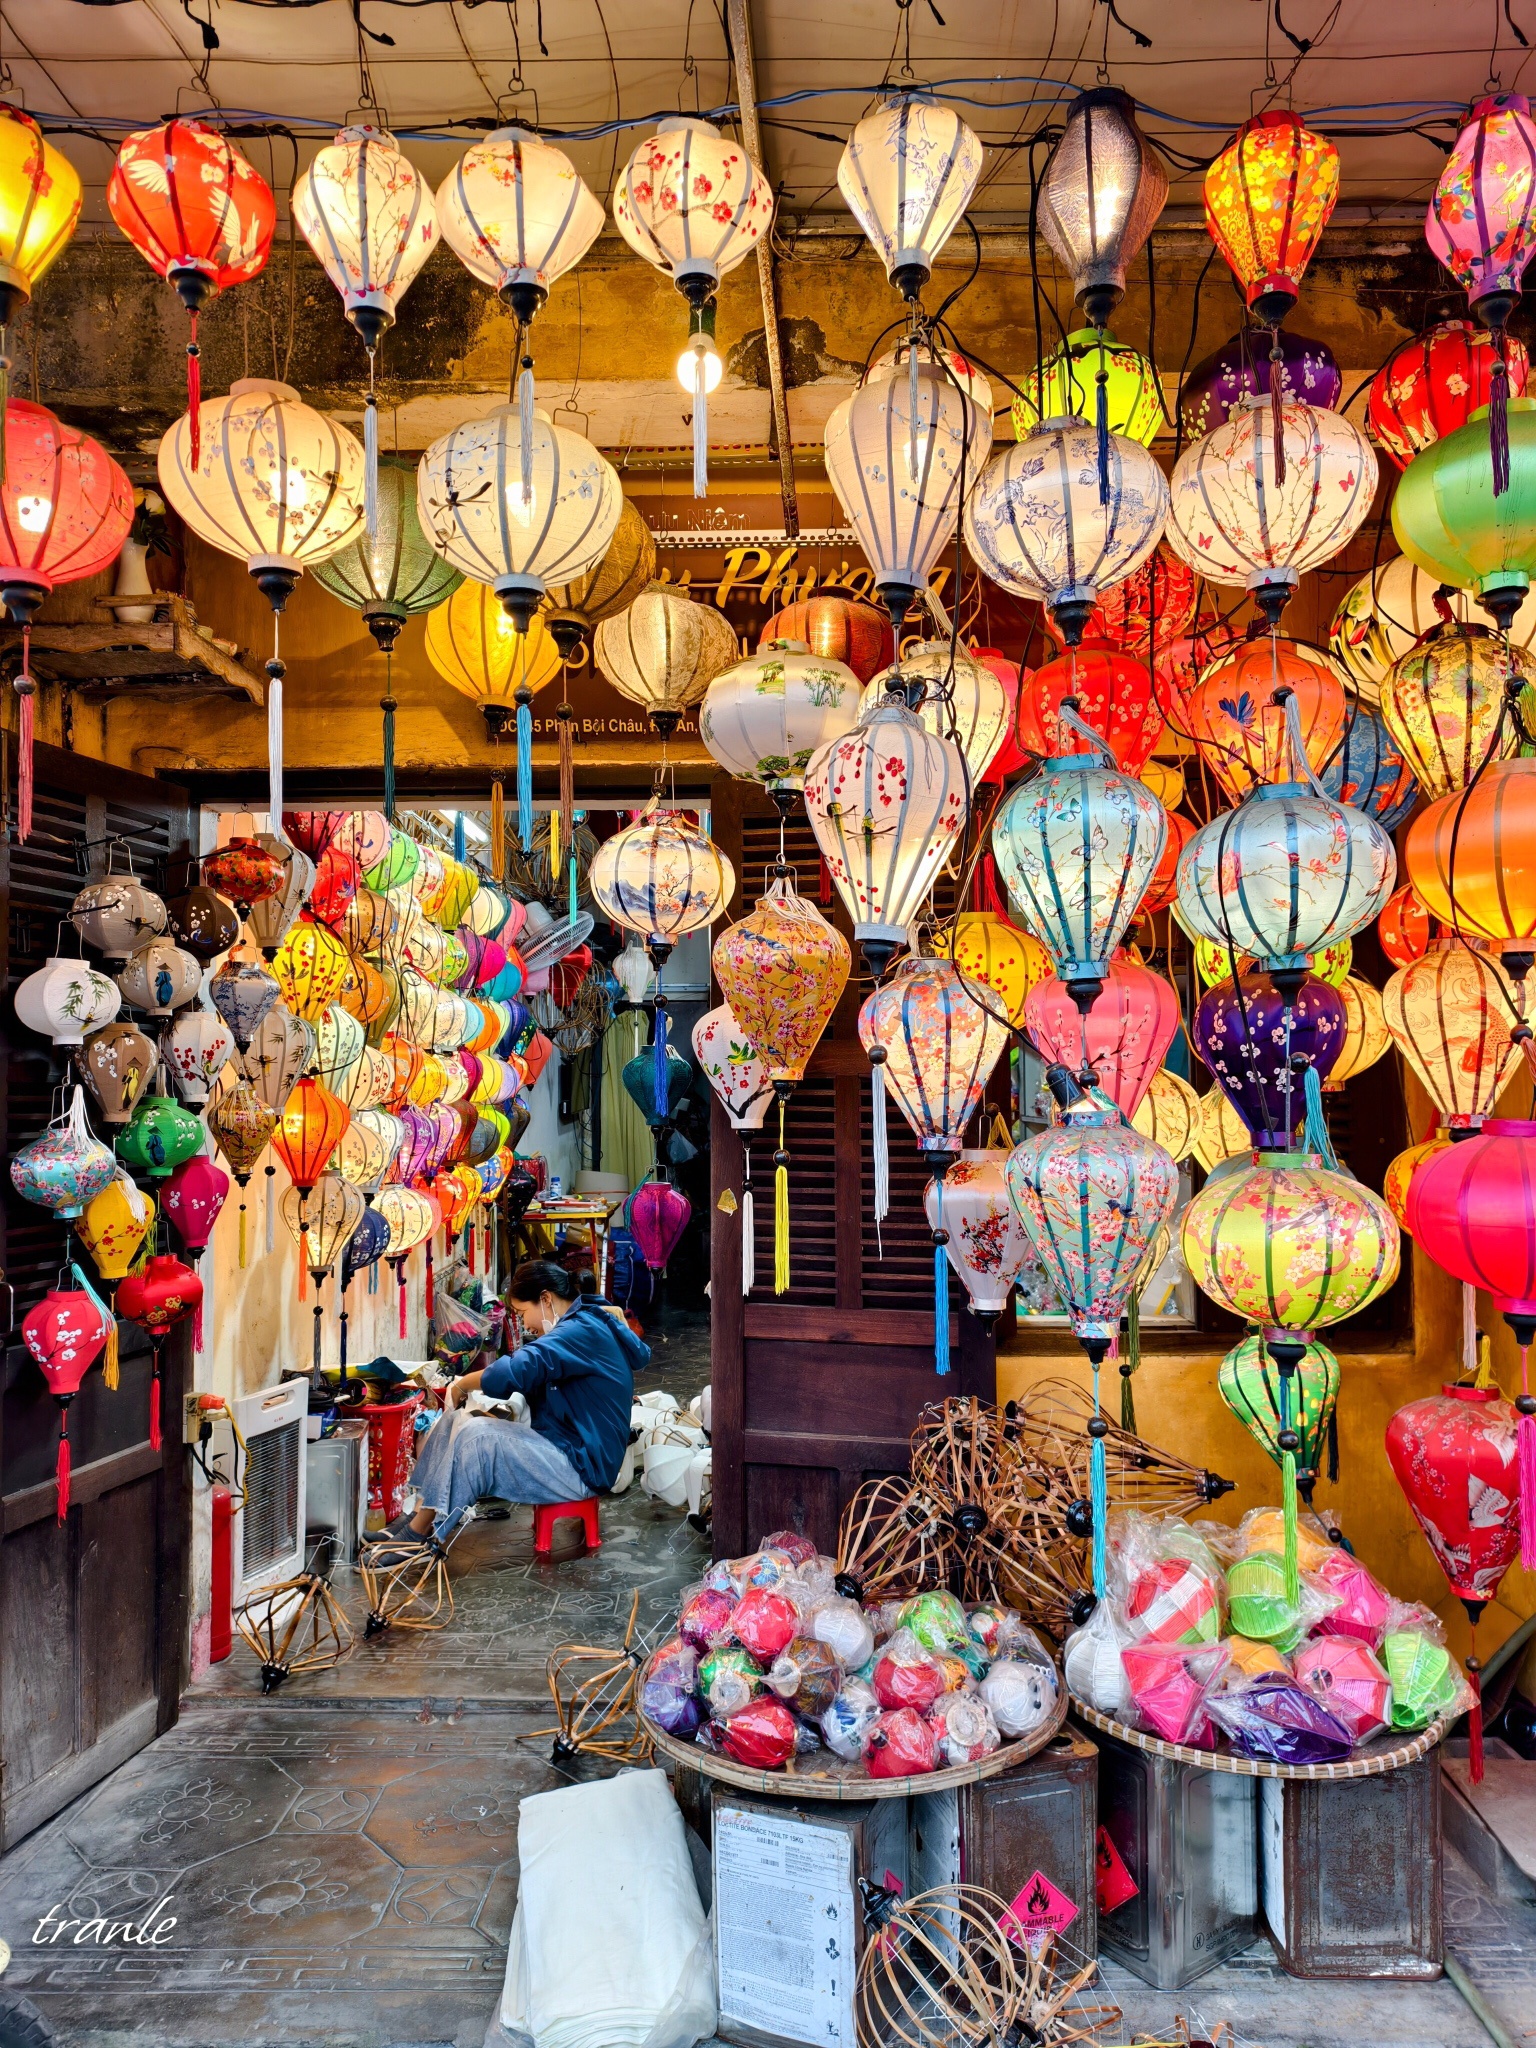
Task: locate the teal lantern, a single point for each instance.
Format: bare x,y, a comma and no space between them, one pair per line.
158,1137
640,1080
1448,521
1249,1382
1065,386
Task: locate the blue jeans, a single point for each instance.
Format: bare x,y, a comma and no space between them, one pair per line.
479,1457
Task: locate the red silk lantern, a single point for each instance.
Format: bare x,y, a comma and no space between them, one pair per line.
1453,1454
198,213
567,975
1403,927
1114,696
336,883
313,831
1010,757
1164,885
1433,384
159,1298
245,871
1242,734
66,1333
1120,1044
657,1216
65,511
837,629
309,1131
192,1197
535,1056
1146,612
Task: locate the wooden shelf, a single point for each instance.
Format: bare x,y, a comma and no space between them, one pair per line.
166,657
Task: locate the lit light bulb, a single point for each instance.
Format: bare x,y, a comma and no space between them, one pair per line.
699,359
290,492
34,513
521,501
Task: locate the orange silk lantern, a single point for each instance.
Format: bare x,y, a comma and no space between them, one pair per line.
1164,885
1403,927
1267,200
1114,696
1241,734
1491,892
1451,1018
837,629
308,1132
1146,612
1399,1175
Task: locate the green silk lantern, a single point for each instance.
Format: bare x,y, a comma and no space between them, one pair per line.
398,867
1250,1385
160,1135
1064,387
640,1079
1447,520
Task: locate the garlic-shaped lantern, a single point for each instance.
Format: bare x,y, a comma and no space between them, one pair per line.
242,992
955,696
116,915
66,1166
197,1048
160,977
116,1063
66,999
907,173
661,877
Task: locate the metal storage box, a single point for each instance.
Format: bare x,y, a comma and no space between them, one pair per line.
1188,1838
1351,1872
336,1488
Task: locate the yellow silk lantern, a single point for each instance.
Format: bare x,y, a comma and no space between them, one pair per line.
1366,1036
473,645
1395,1182
114,1224
1220,1132
1492,824
1451,1017
40,198
1169,1113
1214,961
311,966
459,885
989,950
782,970
1165,779
455,960
1332,963
428,1083
1441,703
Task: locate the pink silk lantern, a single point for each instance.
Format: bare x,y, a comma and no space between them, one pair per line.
493,959
66,1333
1346,1676
192,1197
658,1216
1120,1045
336,883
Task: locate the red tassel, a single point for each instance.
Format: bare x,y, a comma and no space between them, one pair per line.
61,1468
1525,1456
154,1405
402,1304
1475,1721
469,1247
26,690
194,396
197,1328
1498,420
431,1288
824,882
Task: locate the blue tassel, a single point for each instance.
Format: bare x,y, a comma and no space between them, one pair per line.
458,835
659,1059
525,777
1098,1470
388,706
940,1309
1101,408
1315,1136
570,901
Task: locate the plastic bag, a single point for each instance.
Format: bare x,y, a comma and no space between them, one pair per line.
963,1727
1172,1582
1363,1602
907,1675
1344,1674
667,1692
1250,1657
1021,1693
705,1616
764,1622
849,1721
844,1627
806,1676
1425,1681
459,1330
797,1548
1169,1683
937,1620
1259,1607
811,1587
1264,1529
730,1679
1273,1717
763,1570
762,1735
986,1625
720,1577
1091,1662
901,1745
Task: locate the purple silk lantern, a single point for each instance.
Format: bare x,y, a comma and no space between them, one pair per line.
446,1130
657,1217
1240,369
418,1137
1240,1033
474,948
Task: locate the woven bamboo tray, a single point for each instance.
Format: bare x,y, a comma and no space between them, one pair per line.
825,1776
1372,1760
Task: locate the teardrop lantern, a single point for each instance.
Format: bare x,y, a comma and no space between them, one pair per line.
1119,1042
307,1131
65,1333
984,1240
1268,197
164,1294
116,1064
197,1047
191,1199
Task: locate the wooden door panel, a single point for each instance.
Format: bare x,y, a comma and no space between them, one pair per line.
39,1704
115,1604
799,1497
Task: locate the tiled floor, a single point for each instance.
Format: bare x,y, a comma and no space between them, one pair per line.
341,1860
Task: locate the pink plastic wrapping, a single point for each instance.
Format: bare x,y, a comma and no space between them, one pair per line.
705,1616
1169,1683
1346,1676
1363,1603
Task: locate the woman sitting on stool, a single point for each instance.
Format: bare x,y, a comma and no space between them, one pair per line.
578,1374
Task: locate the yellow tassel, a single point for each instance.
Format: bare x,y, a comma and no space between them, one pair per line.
242,1237
554,844
109,1360
1484,1359
498,832
781,1217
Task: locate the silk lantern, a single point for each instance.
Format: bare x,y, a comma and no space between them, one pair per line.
310,967
906,174
65,1334
1490,892
203,923
663,652
40,200
1389,610
115,915
518,217
241,1125
1404,927
1113,695
307,1132
885,802
159,977
65,1000
1369,770
389,573
1444,702
1244,367
1268,196
661,877
1169,1113
836,629
1451,1017
1431,385
1100,195
250,871
197,1048
1448,521
113,1227
1454,1454
116,1064
1398,1176
656,1215
985,1242
1260,1045
191,1199
1118,1042
734,1069
164,1294
322,1222
992,955
158,1137
955,696
279,1050
1063,386
1145,613
412,1218
1241,733
763,718
1366,1036
1248,1385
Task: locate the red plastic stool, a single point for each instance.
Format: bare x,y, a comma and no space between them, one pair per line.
545,1518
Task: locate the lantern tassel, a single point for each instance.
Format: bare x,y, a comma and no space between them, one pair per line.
111,1360
1292,1536
271,1216
275,674
371,457
26,719
1315,1134
1101,421
823,882
342,1341
460,836
570,889
242,1237
1475,1713
194,396
781,1213
880,1144
1098,1486
401,1277
431,1283
700,437
154,1403
940,1287
314,1349
1132,1361
659,1060
388,704
1498,419
498,831
524,771
1525,1449
525,429
5,393
61,1468
748,1222
1333,1447
1277,403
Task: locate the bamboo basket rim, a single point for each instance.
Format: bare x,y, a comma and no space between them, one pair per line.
1373,1763
821,1783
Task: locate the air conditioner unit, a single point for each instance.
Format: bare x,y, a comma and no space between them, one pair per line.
269,1528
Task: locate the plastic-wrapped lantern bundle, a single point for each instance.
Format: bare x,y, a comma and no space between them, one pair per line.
1174,1599
902,1745
764,1622
937,1620
1169,1684
851,1719
667,1693
964,1728
730,1679
844,1627
1349,1681
907,1675
1364,1606
1091,1663
1424,1680
1275,1719
806,1676
1260,1608
762,1735
1021,1694
705,1617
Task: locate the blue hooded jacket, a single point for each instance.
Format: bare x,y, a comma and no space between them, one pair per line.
579,1380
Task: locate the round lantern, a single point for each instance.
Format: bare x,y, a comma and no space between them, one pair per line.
940,1047
906,174
65,1167
1452,1019
1076,848
763,718
1366,1036
1100,196
158,1137
656,1215
307,1131
1168,1113
663,652
1042,523
1387,613
660,877
955,696
1242,733
1448,521
1267,200
1255,504
1473,1210
1220,1132
1443,702
1242,367
1064,387
985,1242
1369,770
242,992
782,969
159,977
252,871
390,573
1258,1045
241,1125
116,915
993,955
40,200
836,629
114,1224
116,1063
731,1065
1404,927
65,1333
335,886
197,1048
164,1294
1491,891
309,968
885,802
1118,1042
901,453
1112,693
1249,1385
65,507
65,1000
573,610
1431,385
1398,1177
192,1197
517,215
518,526
368,214
203,923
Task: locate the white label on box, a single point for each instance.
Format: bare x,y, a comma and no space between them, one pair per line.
1272,1853
784,1926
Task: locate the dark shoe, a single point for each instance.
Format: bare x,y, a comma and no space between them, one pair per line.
400,1531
